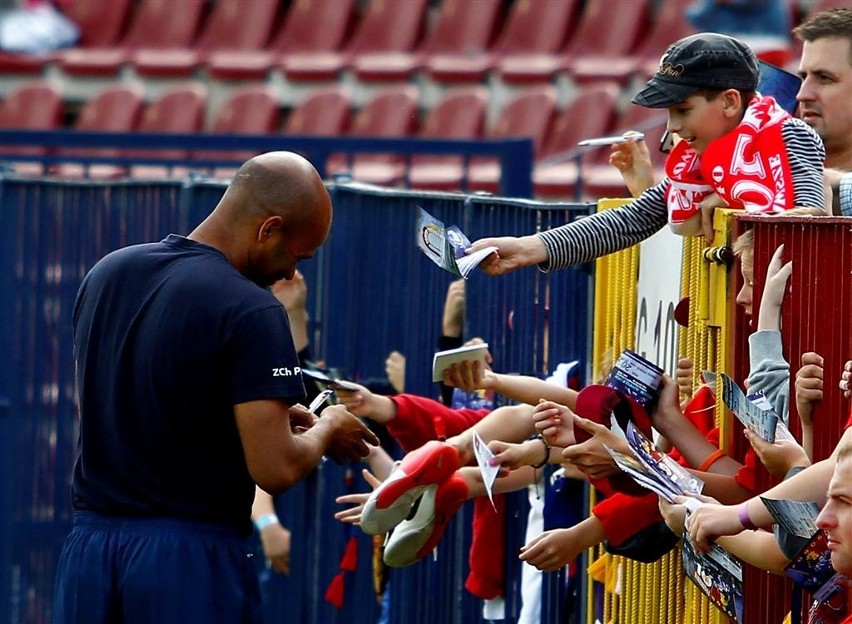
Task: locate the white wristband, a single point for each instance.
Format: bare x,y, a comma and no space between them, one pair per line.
265,520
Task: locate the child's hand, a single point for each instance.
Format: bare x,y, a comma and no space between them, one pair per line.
667,412
779,457
555,422
352,515
511,456
590,457
777,275
808,387
846,380
708,209
633,160
684,374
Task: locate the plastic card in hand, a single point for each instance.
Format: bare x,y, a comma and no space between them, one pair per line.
442,360
763,423
660,464
446,246
796,517
717,574
484,456
636,377
811,567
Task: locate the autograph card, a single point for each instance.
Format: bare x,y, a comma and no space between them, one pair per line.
484,456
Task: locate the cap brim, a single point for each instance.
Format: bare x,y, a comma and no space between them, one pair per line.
660,94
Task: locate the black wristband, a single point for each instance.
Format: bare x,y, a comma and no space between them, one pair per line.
546,459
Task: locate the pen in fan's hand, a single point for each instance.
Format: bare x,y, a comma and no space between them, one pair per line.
319,400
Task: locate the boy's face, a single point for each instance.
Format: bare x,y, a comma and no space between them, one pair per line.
699,121
824,100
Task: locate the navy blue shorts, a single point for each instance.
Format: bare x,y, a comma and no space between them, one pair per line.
146,570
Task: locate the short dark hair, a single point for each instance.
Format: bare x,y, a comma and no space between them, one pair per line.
830,23
712,94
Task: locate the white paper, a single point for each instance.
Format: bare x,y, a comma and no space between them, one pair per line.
484,456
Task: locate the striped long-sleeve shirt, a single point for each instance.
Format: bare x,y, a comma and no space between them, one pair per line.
613,230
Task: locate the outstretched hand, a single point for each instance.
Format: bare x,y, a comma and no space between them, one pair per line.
777,275
512,253
511,456
555,422
590,457
778,457
352,515
552,550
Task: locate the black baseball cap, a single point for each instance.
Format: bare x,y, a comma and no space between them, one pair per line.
702,61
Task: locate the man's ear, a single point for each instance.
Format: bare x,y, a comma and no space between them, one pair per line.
270,226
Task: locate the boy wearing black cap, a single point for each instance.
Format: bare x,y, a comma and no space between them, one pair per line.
736,143
733,140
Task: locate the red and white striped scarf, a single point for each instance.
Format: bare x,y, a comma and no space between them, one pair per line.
747,167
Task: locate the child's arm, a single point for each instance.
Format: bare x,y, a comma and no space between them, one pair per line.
770,372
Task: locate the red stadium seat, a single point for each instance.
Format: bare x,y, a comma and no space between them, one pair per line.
460,114
310,27
250,110
234,25
528,114
113,109
156,24
391,113
179,110
608,30
590,114
385,27
35,105
533,27
462,28
325,112
600,179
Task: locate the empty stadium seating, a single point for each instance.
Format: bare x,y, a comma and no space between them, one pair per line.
234,25
600,179
461,114
250,110
100,24
590,114
462,28
533,27
35,105
385,27
113,109
607,31
260,50
155,25
309,27
391,113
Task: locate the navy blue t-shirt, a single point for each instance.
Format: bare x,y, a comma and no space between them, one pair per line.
168,337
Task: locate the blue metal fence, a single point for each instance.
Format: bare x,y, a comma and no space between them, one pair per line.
370,291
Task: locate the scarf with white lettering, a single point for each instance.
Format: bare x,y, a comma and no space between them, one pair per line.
747,167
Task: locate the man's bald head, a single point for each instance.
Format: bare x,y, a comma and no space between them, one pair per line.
275,212
275,183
